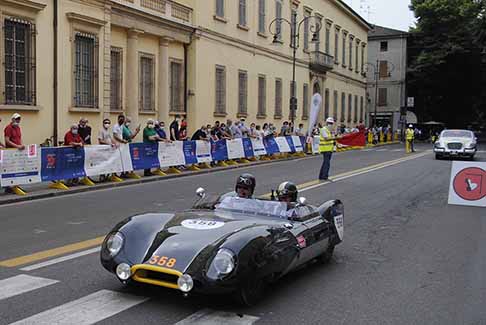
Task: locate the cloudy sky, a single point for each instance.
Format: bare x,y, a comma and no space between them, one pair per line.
389,13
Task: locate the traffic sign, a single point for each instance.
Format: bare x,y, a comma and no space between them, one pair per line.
410,101
468,184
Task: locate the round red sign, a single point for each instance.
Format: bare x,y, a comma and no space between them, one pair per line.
470,184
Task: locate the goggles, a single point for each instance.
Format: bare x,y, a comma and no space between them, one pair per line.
245,181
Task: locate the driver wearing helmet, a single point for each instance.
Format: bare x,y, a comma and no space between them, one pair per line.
287,192
245,187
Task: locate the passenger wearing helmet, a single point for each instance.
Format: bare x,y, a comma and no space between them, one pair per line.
245,187
287,192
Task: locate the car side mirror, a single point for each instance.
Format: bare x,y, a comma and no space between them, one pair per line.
201,192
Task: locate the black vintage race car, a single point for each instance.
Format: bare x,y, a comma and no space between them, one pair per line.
223,246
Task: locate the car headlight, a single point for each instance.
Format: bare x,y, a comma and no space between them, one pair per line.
471,145
222,264
114,243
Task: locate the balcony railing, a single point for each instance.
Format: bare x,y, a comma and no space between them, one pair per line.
164,8
321,62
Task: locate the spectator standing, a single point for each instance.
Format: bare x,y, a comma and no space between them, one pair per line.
284,129
259,132
299,131
183,131
236,131
13,133
245,132
104,136
225,132
118,130
128,135
160,129
72,137
150,136
84,130
174,128
252,131
200,134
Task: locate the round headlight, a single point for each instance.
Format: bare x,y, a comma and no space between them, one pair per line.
185,283
223,264
114,243
123,271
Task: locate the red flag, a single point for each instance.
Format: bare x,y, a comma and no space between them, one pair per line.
356,139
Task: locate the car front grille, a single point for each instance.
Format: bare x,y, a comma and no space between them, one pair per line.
454,146
156,275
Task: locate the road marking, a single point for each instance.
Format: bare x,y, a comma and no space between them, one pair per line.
211,317
367,149
380,150
364,171
87,310
22,283
27,259
60,259
397,150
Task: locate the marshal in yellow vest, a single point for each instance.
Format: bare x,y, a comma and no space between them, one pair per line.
326,145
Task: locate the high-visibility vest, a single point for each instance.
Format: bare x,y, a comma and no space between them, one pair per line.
410,134
326,145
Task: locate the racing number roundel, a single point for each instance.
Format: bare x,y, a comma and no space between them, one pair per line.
470,184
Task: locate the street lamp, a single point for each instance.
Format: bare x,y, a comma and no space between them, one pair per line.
294,44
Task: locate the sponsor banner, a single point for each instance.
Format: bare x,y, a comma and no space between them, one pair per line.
219,150
258,147
468,184
290,141
298,144
102,160
171,154
144,155
248,148
271,145
20,167
126,159
62,163
203,151
356,139
235,148
315,144
189,148
314,111
283,145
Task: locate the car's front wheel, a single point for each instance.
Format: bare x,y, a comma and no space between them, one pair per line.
438,157
250,292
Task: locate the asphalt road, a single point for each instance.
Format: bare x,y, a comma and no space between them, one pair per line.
407,257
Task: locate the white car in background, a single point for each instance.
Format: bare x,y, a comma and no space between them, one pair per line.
456,143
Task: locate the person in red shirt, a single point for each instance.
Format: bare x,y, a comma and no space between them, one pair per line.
72,137
13,134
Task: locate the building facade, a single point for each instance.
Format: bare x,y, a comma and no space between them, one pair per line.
206,60
387,69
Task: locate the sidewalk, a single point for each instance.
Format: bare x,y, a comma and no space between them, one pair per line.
42,190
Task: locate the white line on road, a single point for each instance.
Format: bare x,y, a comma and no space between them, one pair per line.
61,259
381,166
381,150
397,150
22,283
87,310
211,317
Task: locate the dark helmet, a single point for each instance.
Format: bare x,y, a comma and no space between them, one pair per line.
246,181
287,189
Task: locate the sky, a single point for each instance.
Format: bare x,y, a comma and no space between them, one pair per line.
388,13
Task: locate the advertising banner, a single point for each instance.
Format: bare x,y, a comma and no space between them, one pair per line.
62,163
283,145
20,167
271,145
189,148
258,147
298,145
315,144
203,151
219,151
248,148
171,154
102,160
235,149
144,155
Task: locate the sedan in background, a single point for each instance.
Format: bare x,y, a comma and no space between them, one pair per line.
456,143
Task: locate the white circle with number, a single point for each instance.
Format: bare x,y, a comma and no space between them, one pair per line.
200,224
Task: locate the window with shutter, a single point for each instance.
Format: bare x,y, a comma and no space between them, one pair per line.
261,16
278,14
344,49
383,69
336,100
116,72
326,103
355,108
242,92
278,98
85,70
306,31
336,45
146,94
262,96
382,94
242,13
351,40
343,107
328,40
357,56
363,48
176,87
361,110
350,107
220,8
220,106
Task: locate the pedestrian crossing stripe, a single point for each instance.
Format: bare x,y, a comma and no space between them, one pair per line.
211,317
21,284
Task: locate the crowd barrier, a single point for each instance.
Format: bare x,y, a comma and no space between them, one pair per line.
37,164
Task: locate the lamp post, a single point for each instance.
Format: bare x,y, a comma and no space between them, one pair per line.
294,44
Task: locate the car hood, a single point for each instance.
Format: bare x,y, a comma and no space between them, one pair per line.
183,236
451,140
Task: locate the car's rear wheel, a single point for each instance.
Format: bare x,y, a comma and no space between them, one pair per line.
250,292
327,255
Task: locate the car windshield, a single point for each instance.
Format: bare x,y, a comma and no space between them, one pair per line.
457,134
253,207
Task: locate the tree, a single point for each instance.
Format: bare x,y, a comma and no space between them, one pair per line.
446,72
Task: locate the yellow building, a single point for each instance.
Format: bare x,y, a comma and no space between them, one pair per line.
206,59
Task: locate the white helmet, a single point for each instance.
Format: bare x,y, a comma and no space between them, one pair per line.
410,126
330,120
